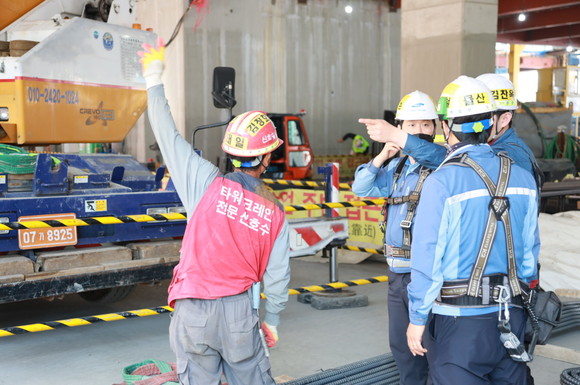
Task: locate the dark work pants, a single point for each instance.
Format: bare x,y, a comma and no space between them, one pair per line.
467,350
413,369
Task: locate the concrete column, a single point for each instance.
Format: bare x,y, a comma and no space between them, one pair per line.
442,39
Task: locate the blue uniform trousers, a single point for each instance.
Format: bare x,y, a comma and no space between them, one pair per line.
467,350
413,369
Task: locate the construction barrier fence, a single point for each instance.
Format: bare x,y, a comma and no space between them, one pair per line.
363,221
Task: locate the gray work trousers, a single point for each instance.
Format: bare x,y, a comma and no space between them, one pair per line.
209,337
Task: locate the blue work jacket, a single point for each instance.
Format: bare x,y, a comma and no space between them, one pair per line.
370,181
450,224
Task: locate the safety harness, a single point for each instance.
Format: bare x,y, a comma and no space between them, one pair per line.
480,290
413,200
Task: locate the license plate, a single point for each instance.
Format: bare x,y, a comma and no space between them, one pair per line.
47,237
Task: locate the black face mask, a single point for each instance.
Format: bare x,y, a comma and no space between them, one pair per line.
428,138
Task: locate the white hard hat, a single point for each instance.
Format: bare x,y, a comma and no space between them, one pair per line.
416,106
502,89
464,97
469,96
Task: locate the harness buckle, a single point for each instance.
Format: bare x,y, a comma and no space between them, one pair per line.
405,224
414,196
499,205
383,223
504,295
383,226
503,298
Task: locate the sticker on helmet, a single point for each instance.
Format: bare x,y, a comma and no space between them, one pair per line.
269,137
503,94
470,100
479,98
236,141
450,89
257,124
442,105
402,102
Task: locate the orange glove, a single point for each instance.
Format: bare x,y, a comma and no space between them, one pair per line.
271,334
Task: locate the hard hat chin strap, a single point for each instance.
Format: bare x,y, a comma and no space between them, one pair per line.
239,164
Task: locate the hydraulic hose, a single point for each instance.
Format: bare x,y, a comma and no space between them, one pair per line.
377,370
570,376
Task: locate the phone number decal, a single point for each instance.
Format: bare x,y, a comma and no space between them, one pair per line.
52,96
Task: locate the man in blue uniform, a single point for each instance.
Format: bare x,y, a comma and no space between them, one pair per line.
475,249
400,182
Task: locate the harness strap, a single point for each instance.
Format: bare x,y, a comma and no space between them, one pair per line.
398,252
412,206
403,199
396,176
455,292
412,199
498,210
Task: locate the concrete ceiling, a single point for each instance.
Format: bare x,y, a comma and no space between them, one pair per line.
548,22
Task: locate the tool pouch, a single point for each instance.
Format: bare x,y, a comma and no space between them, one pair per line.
544,312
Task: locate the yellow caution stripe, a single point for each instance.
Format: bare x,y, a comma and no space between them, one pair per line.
108,220
307,183
335,205
335,285
363,249
73,322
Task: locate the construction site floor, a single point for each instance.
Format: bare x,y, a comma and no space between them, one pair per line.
310,340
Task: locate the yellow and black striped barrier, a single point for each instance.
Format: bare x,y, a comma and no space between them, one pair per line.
336,285
335,205
73,322
112,220
107,220
363,249
299,183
